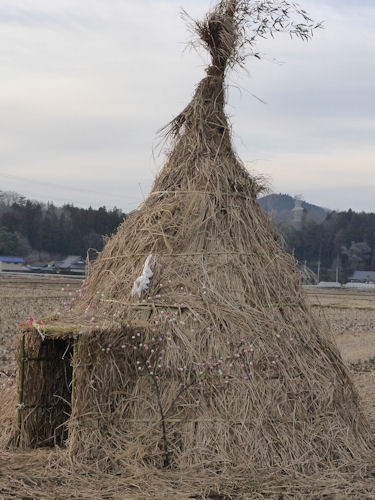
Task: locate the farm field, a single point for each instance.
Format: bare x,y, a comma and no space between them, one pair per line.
350,314
22,297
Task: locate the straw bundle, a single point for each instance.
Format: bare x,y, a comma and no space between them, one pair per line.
219,366
229,367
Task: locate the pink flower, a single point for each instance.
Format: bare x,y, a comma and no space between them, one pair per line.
197,402
123,346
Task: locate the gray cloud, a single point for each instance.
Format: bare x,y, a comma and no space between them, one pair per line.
85,87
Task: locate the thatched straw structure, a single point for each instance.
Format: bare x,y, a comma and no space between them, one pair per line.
218,372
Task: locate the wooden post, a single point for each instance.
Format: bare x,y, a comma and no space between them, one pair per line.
21,383
74,361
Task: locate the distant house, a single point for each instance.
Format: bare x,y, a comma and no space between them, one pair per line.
11,263
362,277
71,264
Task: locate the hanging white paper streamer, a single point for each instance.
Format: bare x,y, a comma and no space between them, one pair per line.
142,282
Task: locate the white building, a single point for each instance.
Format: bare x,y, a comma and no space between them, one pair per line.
297,214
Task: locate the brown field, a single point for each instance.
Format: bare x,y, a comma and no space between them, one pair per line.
25,296
350,314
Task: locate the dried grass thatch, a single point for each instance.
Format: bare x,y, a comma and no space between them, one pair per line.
218,381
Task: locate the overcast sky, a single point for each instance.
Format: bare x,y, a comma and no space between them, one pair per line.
85,85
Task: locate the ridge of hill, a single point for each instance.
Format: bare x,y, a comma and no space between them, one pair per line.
281,206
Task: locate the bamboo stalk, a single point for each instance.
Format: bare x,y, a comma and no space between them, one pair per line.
195,254
151,305
74,361
21,384
210,193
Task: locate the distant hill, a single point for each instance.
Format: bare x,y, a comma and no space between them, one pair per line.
281,206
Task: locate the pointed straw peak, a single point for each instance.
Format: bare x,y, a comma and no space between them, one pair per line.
231,29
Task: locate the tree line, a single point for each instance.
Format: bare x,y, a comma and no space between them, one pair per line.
30,227
343,243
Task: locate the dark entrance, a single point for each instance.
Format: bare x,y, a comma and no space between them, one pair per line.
45,392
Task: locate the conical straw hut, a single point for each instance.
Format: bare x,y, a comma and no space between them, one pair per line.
192,346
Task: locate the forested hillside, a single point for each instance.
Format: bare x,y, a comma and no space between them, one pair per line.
281,206
28,226
345,240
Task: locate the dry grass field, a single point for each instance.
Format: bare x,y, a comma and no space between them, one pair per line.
22,297
350,314
351,317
